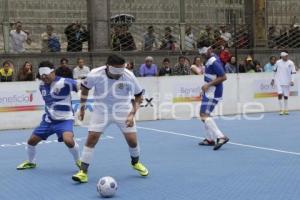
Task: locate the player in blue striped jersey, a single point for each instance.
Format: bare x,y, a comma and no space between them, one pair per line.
58,117
212,92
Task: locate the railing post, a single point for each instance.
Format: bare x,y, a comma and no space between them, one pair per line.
182,24
6,27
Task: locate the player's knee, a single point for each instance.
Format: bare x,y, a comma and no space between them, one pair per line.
286,97
280,96
69,142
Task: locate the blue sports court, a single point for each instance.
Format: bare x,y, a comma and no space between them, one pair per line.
261,162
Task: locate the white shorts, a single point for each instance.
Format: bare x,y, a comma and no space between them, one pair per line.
100,121
283,89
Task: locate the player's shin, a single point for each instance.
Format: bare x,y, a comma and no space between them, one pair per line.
134,154
31,151
75,151
212,126
86,158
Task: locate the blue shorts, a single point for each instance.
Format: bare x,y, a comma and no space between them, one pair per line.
45,129
208,105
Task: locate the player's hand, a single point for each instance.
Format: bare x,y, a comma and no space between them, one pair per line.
292,83
205,88
272,82
130,120
81,113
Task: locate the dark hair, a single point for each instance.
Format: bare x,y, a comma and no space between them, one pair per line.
64,59
79,59
194,61
115,59
166,60
26,63
45,63
271,57
7,62
181,57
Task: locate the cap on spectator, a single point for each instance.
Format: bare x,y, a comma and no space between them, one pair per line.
282,54
248,58
204,50
149,58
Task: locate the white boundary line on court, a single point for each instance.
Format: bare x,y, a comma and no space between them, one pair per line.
79,139
233,143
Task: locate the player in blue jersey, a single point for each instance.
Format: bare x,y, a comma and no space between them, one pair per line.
58,117
212,92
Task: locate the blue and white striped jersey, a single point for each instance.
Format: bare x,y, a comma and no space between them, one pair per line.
57,97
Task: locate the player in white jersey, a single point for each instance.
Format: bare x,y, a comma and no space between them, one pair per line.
117,97
58,117
283,77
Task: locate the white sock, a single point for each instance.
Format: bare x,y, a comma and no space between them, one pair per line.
31,150
208,133
285,104
75,151
280,104
212,126
134,152
87,154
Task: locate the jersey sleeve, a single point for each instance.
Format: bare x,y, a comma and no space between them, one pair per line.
89,82
218,69
72,84
136,87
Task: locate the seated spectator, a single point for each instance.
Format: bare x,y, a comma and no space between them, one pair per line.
168,41
148,68
64,71
226,36
26,72
130,67
126,39
50,40
247,66
17,39
270,66
189,39
258,67
7,72
197,67
80,71
230,67
150,39
76,35
181,68
166,69
225,55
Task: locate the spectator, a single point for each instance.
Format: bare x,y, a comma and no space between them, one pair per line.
76,34
64,71
206,37
126,39
81,71
166,69
6,72
189,39
270,66
115,42
168,41
230,66
26,72
247,66
226,36
258,67
148,68
17,39
150,40
225,55
181,68
50,40
197,67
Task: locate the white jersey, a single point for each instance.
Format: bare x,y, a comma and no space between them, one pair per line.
110,95
284,71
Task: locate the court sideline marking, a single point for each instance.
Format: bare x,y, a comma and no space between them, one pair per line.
233,143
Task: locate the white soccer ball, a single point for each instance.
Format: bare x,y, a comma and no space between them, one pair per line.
107,186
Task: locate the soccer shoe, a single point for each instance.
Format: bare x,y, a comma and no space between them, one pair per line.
78,163
80,177
142,170
281,113
26,165
286,112
220,142
207,142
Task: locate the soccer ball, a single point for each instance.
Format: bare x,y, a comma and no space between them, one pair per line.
107,186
